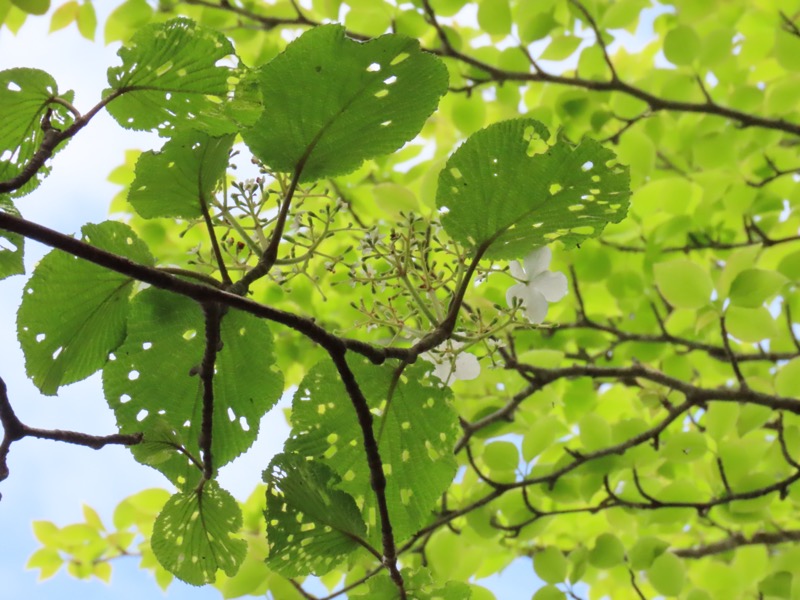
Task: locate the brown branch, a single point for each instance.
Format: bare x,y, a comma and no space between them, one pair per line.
213,318
377,478
199,292
14,430
738,540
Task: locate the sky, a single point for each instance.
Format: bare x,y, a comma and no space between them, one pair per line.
51,481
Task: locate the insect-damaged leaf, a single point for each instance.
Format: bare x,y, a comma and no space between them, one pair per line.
25,98
416,435
331,102
311,526
73,341
507,185
192,535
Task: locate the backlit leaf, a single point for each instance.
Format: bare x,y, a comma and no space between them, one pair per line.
331,103
195,535
69,344
684,283
156,396
508,187
174,181
311,526
169,78
26,110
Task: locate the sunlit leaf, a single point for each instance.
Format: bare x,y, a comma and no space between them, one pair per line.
196,534
331,103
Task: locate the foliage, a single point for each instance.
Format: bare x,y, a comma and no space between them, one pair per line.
412,175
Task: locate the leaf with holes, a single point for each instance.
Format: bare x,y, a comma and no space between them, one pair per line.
153,387
12,245
73,312
193,535
25,98
175,181
331,102
311,526
509,188
169,78
416,438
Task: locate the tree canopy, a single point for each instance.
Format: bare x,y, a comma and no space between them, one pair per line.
533,289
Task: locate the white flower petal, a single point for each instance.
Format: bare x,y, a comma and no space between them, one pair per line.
443,371
467,366
537,261
519,290
535,307
552,285
516,270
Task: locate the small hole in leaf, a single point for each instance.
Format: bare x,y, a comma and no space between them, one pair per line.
147,345
13,87
455,173
40,337
141,415
231,414
57,352
124,399
386,123
189,334
390,80
443,210
399,58
555,188
181,72
576,207
587,165
374,68
133,375
381,93
242,331
244,424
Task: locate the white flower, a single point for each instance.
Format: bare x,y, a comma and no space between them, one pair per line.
450,364
538,286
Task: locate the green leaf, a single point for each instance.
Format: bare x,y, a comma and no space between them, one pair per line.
87,20
25,98
595,432
787,381
501,456
608,551
311,526
12,245
169,79
64,15
494,17
645,551
667,574
750,324
681,45
416,444
549,592
419,585
561,47
126,19
752,287
777,585
72,341
683,283
685,446
331,103
33,7
550,565
508,187
163,397
176,180
47,560
193,535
